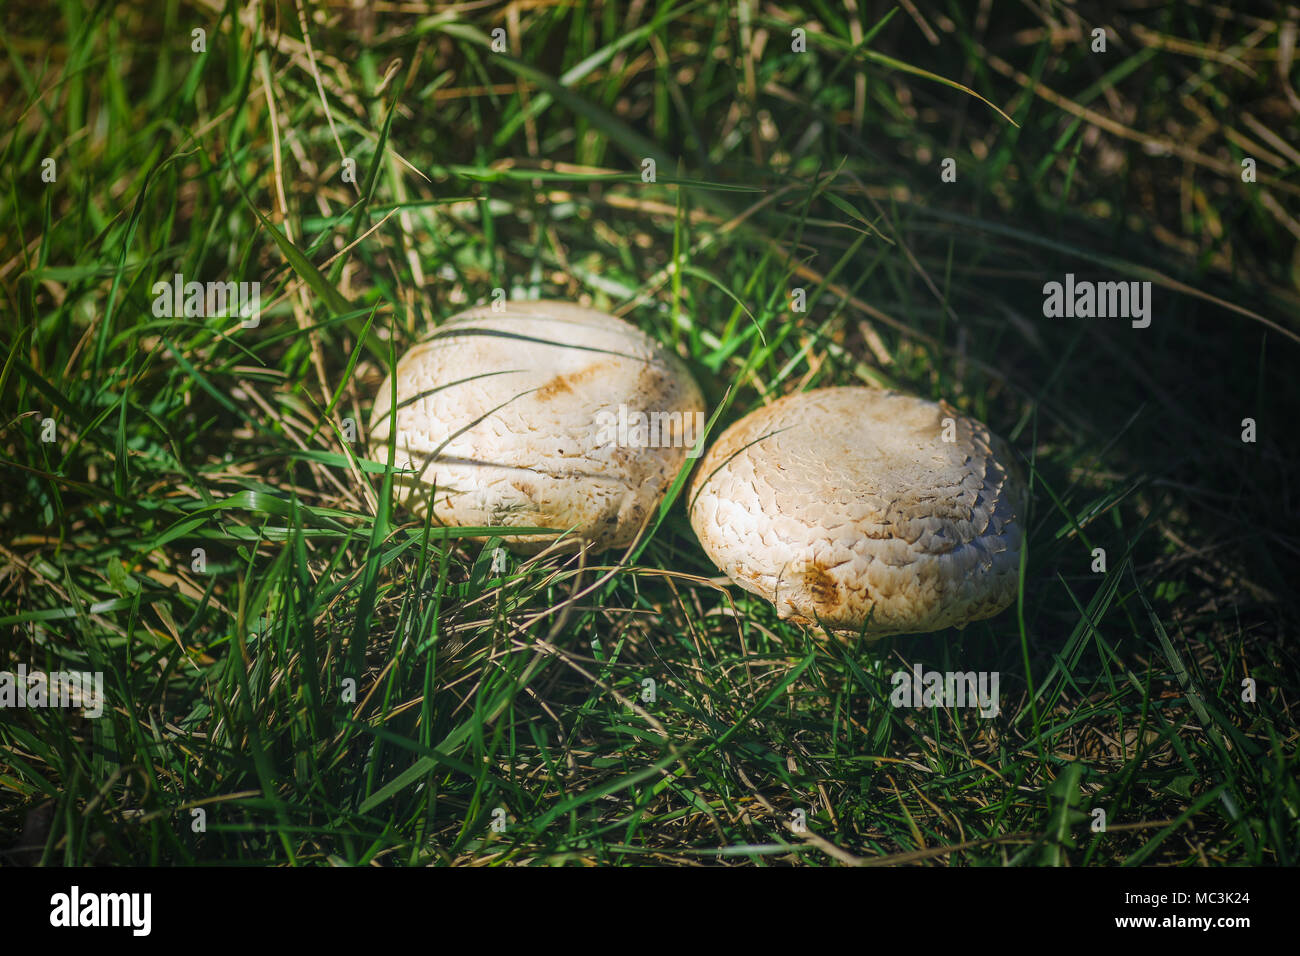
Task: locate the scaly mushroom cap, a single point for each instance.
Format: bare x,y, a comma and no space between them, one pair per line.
849,506
513,417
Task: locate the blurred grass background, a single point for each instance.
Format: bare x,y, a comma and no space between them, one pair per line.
231,733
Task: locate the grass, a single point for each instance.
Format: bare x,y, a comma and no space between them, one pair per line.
337,683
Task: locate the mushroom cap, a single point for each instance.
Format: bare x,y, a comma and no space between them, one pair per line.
512,416
846,505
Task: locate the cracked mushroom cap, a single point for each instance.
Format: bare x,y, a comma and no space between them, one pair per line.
514,418
848,506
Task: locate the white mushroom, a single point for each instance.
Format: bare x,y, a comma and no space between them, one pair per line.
513,416
862,507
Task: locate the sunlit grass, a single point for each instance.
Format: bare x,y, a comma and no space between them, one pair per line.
336,682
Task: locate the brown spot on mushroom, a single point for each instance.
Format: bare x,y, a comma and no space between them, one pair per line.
563,384
821,586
